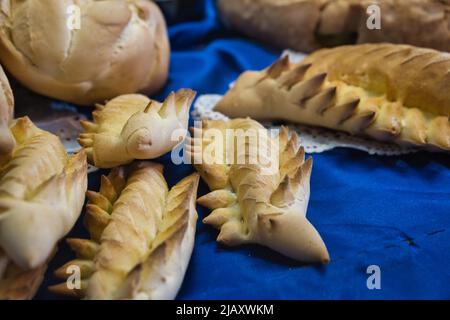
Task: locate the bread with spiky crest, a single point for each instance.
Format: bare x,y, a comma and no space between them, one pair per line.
42,192
142,236
251,204
17,283
395,93
133,127
6,116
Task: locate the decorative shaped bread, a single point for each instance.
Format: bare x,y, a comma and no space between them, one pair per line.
118,47
142,236
134,127
307,25
263,201
387,92
17,283
6,115
42,192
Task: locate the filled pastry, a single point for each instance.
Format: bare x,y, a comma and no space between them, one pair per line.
84,51
395,93
134,127
42,192
263,201
142,236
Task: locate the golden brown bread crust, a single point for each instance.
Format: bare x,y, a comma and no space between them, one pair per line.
16,283
6,115
306,25
395,93
41,194
249,203
134,127
142,236
121,47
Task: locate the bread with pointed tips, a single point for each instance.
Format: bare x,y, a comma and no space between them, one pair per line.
42,191
263,201
119,47
395,93
142,236
134,127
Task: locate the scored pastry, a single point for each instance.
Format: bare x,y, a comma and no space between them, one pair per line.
134,127
261,193
85,51
142,236
6,115
388,92
42,192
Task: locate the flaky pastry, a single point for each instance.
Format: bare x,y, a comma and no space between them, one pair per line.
396,93
134,127
42,192
142,236
250,203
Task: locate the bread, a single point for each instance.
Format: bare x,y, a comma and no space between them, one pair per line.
121,47
42,192
395,93
307,25
6,115
17,283
142,236
134,127
263,201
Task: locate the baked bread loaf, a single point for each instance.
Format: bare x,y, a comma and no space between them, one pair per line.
134,127
120,47
17,283
261,195
142,236
395,93
6,115
307,25
42,192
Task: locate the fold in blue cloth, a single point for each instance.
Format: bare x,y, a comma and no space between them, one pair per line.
392,212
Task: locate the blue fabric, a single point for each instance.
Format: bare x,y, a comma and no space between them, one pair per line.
393,212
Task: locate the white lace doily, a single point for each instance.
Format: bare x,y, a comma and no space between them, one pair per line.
314,140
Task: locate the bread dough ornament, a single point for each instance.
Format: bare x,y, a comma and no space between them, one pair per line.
142,236
120,47
133,127
42,192
394,93
250,204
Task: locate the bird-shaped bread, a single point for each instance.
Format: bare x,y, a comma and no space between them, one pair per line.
134,127
388,92
142,236
42,191
259,187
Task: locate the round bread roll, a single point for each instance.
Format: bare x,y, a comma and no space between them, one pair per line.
84,51
6,115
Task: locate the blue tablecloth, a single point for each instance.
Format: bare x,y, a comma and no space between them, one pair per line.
393,212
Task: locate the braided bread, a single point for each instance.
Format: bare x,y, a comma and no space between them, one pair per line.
388,92
250,203
142,236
